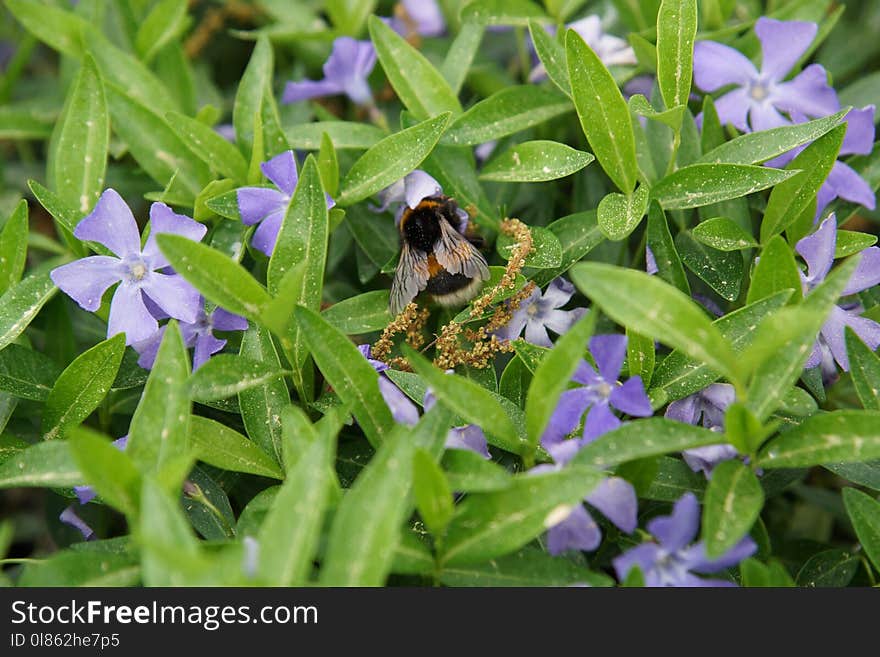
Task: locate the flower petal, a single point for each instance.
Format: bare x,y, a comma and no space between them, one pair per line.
608,351
833,333
849,185
69,517
85,280
699,563
704,459
818,250
559,321
867,273
148,349
419,185
402,409
631,398
537,334
782,44
566,416
206,346
685,410
256,203
112,224
129,315
164,220
859,138
763,116
266,233
677,530
281,170
644,556
558,293
577,532
174,295
717,65
294,92
426,16
223,320
616,499
469,437
809,93
600,420
733,108
84,494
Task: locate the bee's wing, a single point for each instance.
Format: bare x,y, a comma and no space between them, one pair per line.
458,256
410,278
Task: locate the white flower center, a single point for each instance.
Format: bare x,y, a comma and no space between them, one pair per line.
759,90
136,269
532,310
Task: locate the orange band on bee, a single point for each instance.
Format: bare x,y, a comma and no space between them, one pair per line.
434,267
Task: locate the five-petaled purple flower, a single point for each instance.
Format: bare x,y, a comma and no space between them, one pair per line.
818,252
137,270
345,72
404,411
707,408
84,495
599,392
760,96
198,334
537,313
267,206
673,560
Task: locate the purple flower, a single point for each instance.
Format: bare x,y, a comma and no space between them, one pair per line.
705,408
760,96
267,206
673,560
137,270
198,334
842,181
411,190
404,411
422,17
611,50
345,72
537,313
818,252
599,392
85,494
650,262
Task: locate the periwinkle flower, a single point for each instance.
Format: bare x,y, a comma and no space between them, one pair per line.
422,17
599,392
404,411
411,190
267,206
136,270
198,335
345,72
539,312
674,559
818,252
706,408
760,97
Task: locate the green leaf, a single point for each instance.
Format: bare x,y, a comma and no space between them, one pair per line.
697,185
366,527
722,271
758,147
671,117
352,377
345,135
159,426
218,445
107,469
552,56
790,199
839,436
82,386
59,29
723,234
21,302
289,535
864,368
390,160
77,157
220,279
470,401
227,375
461,54
536,161
619,214
168,546
505,112
733,501
348,16
831,568
420,86
530,566
850,242
209,146
502,12
166,21
603,113
469,472
676,31
255,80
654,308
673,479
640,356
361,313
328,166
44,465
864,511
80,568
488,525
26,373
262,406
552,377
775,271
13,247
659,240
678,376
432,493
547,253
865,474
641,439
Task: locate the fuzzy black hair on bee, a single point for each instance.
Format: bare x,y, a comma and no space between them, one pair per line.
436,257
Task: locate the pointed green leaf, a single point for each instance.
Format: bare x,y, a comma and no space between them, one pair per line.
432,493
733,501
865,370
262,406
620,214
209,146
864,511
697,185
107,469
218,445
775,271
44,465
21,302
536,161
676,31
845,436
722,271
13,247
723,234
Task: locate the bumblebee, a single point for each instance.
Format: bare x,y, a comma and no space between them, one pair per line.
436,256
